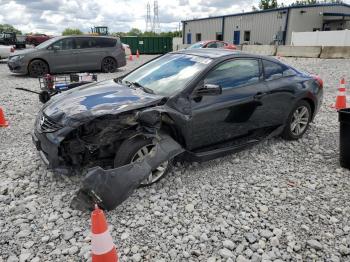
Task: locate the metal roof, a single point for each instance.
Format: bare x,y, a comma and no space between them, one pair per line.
270,10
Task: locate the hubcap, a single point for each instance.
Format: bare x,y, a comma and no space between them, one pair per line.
156,173
109,65
300,120
39,68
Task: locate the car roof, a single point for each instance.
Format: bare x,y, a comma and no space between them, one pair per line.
220,52
95,36
209,52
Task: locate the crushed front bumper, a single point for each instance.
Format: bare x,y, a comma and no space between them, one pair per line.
109,188
17,66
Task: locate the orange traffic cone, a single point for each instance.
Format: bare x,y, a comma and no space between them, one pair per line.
103,249
137,53
130,56
340,102
3,121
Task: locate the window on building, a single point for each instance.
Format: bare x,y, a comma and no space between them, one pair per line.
234,73
247,36
219,36
198,37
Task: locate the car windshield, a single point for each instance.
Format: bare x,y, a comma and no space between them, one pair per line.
196,45
46,43
168,74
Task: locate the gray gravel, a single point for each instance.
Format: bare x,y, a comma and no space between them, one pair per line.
278,201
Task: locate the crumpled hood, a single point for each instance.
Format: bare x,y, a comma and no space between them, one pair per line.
84,103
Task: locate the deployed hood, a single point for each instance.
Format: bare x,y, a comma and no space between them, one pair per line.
82,104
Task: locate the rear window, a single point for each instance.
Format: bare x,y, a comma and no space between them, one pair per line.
106,42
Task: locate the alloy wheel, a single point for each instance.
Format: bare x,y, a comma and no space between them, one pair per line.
300,120
109,65
157,173
38,68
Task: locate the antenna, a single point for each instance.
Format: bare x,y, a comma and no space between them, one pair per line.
148,18
156,24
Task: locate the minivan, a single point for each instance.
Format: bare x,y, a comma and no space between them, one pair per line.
70,54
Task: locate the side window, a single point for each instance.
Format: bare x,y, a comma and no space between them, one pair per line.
212,45
82,42
235,73
220,44
106,42
65,44
272,70
289,72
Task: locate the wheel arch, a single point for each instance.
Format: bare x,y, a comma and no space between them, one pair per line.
312,105
42,59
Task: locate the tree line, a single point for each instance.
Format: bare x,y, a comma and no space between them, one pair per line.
271,4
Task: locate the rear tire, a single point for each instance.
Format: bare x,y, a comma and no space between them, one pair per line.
298,121
109,65
38,68
134,150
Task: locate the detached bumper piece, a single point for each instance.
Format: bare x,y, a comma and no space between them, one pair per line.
109,188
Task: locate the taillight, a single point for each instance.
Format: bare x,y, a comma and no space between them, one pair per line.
12,50
319,80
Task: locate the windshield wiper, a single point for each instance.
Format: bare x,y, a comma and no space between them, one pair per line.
136,84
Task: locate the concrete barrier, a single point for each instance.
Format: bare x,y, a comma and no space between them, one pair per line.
260,49
335,52
299,51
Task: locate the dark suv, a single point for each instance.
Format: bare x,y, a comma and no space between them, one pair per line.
70,54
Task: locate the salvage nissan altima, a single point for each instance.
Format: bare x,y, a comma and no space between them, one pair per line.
199,103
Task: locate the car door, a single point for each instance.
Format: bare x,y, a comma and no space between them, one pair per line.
61,56
282,84
238,110
90,52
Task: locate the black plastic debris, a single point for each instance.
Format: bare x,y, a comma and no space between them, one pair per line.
109,188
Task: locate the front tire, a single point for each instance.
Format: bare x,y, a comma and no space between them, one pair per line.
298,121
109,65
136,149
38,68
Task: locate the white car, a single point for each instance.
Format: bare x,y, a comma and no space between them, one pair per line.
6,51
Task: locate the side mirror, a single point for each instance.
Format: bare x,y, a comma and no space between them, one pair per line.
209,90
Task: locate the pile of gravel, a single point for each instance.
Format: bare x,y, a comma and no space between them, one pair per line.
278,201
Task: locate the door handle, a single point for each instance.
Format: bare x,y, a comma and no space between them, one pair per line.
259,95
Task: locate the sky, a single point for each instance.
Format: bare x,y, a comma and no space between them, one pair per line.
53,16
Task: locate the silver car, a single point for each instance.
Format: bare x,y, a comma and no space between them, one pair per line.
70,54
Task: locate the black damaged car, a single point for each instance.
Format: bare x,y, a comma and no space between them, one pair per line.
200,103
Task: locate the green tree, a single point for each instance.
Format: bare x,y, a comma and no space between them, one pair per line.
268,4
9,28
72,31
134,32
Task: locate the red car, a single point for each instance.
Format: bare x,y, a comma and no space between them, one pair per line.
213,44
37,39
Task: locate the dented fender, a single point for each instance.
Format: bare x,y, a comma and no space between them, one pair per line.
109,188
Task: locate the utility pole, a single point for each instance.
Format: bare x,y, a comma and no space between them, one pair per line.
148,18
156,24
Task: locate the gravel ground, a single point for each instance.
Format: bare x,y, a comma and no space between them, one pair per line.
278,201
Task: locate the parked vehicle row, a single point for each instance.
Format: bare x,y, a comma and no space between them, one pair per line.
70,54
6,51
37,39
11,38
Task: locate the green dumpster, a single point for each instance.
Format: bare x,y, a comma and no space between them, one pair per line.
149,44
